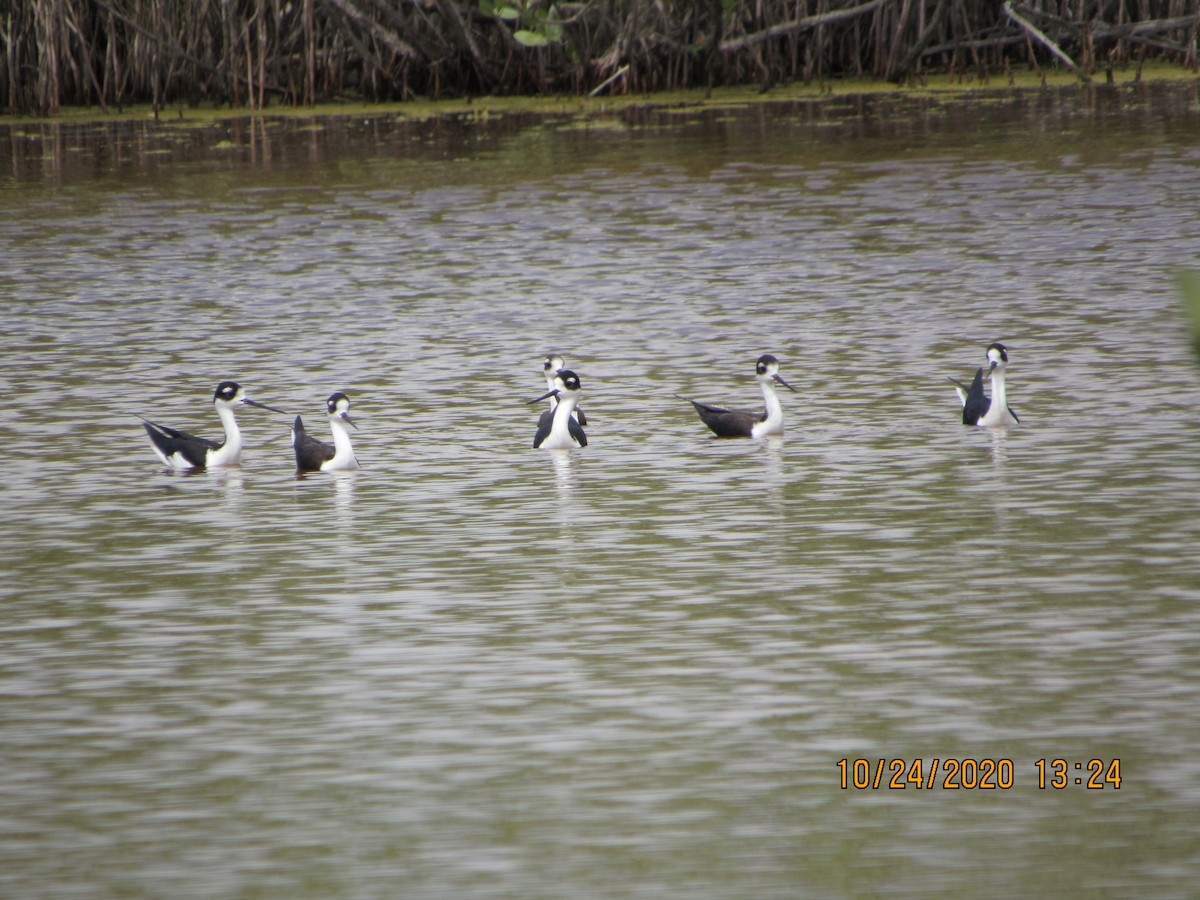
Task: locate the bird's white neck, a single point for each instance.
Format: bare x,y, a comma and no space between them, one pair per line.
562,414
998,412
550,386
559,437
774,421
231,450
343,452
999,399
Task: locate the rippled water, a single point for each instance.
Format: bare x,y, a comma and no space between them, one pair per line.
473,669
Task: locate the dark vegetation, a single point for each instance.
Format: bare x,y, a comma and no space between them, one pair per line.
257,53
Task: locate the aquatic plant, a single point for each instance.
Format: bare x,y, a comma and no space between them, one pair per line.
1189,294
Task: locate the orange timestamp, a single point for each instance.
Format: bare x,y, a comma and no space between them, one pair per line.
1061,773
953,773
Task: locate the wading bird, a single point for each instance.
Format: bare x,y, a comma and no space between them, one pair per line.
550,366
313,455
560,431
180,450
978,409
732,423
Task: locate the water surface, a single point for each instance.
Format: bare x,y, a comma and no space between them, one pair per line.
473,669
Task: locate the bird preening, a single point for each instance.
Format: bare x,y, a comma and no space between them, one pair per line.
977,407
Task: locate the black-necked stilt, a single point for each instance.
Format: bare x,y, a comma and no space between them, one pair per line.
729,423
317,456
560,431
180,450
550,366
978,409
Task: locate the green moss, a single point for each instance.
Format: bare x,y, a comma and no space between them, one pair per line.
484,108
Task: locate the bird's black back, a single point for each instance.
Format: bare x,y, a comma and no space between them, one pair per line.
727,423
977,403
169,441
310,453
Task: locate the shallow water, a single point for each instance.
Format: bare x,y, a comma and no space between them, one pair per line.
473,669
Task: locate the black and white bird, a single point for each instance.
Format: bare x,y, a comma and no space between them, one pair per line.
978,408
180,450
313,455
560,430
550,366
728,423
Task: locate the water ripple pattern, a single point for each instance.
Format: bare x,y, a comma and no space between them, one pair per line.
475,670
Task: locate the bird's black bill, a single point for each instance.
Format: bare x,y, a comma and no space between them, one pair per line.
553,393
346,416
784,383
262,406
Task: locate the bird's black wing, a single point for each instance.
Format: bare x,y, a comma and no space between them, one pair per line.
976,403
576,430
545,423
169,441
726,422
310,453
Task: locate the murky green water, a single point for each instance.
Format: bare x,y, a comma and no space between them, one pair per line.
475,670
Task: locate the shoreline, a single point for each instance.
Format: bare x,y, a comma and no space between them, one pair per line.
936,86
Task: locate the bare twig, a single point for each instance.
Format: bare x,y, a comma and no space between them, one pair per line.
620,73
354,15
916,51
1054,49
804,22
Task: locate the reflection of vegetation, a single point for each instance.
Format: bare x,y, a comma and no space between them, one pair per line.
1189,290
